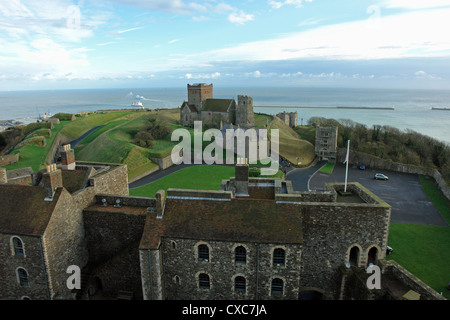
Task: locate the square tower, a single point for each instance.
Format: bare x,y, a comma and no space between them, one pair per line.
199,92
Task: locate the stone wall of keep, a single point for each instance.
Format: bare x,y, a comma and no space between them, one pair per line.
330,230
31,261
64,244
182,268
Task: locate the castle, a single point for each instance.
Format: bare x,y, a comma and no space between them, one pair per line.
289,118
254,238
326,143
201,106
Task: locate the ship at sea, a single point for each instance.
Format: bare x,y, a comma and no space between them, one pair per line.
440,108
137,104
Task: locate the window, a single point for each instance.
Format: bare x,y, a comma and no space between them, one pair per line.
277,286
203,281
203,252
23,277
354,256
240,255
372,255
18,246
279,257
239,284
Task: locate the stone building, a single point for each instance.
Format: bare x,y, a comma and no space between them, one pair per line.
201,106
254,238
289,118
326,143
42,230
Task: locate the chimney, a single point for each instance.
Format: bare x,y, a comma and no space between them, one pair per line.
67,158
241,177
160,200
3,176
52,179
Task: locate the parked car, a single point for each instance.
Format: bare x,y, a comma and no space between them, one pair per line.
380,176
362,167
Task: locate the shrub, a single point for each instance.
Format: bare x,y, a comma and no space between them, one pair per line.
159,129
144,139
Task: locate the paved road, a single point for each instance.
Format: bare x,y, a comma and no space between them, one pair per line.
402,191
74,143
300,176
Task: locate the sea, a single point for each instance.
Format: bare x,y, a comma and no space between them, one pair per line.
400,108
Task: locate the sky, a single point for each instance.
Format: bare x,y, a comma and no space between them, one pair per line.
61,44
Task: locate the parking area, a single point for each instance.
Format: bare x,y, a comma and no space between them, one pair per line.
402,191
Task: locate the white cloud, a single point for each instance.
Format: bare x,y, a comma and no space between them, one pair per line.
411,34
415,4
200,19
424,75
128,30
214,75
240,17
279,4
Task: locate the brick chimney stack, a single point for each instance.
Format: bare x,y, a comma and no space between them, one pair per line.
241,177
68,158
52,179
3,176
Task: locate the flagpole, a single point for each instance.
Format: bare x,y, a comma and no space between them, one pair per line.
346,163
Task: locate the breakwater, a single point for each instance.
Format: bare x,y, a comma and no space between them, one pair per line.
337,107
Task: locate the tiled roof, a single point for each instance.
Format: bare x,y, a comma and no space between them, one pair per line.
73,179
191,107
246,220
218,105
23,209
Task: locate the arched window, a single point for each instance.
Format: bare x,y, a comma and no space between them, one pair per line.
277,286
239,284
240,255
354,256
22,276
18,246
372,255
203,281
203,252
279,257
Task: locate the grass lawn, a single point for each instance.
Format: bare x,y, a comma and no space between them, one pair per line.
34,156
436,197
202,177
328,168
425,250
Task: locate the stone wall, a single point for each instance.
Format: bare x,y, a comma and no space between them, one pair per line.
330,230
112,242
182,268
7,160
31,261
23,176
64,244
425,291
